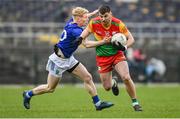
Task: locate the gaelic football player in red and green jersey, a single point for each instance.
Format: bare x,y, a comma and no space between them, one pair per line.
109,56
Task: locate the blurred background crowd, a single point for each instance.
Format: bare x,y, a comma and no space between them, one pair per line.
29,28
59,10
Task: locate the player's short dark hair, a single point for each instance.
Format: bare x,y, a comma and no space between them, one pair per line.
104,9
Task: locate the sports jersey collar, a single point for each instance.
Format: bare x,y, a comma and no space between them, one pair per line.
106,27
70,22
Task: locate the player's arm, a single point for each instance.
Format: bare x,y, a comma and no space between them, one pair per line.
83,36
89,44
130,39
92,13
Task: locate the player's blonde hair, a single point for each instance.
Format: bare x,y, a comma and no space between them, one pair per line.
79,11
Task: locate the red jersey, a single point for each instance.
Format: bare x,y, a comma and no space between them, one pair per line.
99,31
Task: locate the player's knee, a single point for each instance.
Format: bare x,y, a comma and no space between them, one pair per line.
126,78
88,78
50,90
107,87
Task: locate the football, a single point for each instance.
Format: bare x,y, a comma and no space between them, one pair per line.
119,37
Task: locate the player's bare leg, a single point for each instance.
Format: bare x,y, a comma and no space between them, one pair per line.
81,72
109,83
52,82
106,80
123,71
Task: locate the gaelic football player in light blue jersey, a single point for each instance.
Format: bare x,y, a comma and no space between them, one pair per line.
63,60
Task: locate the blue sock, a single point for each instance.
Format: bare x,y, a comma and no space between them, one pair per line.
29,94
95,99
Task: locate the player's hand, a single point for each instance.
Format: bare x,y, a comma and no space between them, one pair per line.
107,39
119,46
93,13
78,40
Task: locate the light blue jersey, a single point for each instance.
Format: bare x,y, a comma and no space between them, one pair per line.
67,42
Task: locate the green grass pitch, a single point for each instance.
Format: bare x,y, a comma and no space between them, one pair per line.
70,101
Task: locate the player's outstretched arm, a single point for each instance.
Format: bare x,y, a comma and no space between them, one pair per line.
85,33
83,36
90,44
92,13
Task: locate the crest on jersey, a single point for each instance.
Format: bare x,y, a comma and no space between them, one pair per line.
107,33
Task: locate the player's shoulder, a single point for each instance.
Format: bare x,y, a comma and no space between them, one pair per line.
72,27
114,19
95,20
76,30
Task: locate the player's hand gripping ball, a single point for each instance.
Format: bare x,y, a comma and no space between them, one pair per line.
119,38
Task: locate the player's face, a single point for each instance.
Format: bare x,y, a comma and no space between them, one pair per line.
84,20
106,18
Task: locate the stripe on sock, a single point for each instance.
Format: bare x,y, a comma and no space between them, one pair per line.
98,104
27,95
135,103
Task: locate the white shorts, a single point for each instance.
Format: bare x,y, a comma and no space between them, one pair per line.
57,66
